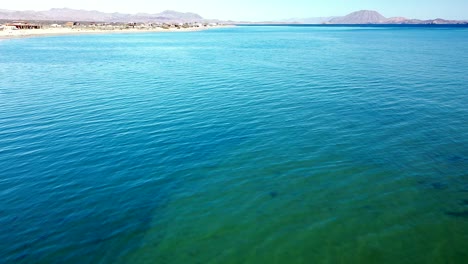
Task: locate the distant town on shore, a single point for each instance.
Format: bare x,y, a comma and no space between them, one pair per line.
94,20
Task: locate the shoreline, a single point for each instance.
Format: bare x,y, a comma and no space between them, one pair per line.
50,32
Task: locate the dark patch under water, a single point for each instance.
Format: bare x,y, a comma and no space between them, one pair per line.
439,185
455,159
274,194
433,185
463,214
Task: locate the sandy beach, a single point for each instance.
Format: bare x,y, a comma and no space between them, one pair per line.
26,33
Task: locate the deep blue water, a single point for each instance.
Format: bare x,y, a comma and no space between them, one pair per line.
237,145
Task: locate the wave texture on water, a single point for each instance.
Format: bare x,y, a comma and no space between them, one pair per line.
238,145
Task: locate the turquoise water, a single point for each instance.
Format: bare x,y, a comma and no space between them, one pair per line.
237,145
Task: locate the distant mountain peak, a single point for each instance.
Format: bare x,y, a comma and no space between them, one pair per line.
366,11
172,13
169,12
368,17
360,17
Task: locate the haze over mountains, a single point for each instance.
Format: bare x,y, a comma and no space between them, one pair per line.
66,14
308,20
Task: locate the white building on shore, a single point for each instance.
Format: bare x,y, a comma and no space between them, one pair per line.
7,28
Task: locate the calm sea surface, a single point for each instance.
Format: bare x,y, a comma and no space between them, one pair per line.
237,145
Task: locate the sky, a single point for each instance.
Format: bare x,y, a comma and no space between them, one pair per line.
261,10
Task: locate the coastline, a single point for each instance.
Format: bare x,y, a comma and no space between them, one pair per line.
29,33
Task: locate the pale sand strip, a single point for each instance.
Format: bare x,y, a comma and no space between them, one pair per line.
24,33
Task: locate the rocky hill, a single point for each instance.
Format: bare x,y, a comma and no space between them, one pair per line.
360,17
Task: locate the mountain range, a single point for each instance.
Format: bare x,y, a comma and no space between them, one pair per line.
67,14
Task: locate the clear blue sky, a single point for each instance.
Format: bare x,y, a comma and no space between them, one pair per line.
258,10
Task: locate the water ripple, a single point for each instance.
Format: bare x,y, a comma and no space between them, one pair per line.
254,144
